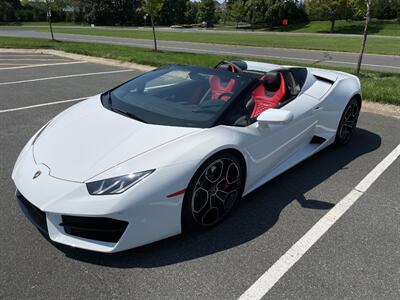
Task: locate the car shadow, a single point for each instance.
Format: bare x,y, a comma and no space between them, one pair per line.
252,217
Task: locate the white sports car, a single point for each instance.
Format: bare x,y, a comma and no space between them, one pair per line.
175,148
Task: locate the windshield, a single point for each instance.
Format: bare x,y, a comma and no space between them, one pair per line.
177,96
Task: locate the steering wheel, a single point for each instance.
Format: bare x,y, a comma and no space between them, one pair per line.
225,96
231,66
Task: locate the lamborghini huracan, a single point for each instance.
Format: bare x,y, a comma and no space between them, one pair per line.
176,148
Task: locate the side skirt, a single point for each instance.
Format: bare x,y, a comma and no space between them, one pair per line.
317,144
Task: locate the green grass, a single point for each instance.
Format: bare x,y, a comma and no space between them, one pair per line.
332,43
376,27
377,86
328,43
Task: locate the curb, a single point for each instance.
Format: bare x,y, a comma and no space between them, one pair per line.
92,59
381,109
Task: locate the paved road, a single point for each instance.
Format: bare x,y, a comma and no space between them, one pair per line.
210,30
376,62
357,258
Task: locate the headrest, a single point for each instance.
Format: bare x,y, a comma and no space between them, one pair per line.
272,81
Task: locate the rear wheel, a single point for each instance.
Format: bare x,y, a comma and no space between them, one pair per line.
213,191
348,122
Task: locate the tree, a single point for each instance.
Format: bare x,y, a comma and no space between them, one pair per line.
207,11
48,5
237,11
331,10
173,12
191,11
255,11
363,6
7,9
153,7
384,9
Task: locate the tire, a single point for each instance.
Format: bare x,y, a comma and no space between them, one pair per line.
213,191
348,123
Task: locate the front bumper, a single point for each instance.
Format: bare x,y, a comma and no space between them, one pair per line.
69,215
92,228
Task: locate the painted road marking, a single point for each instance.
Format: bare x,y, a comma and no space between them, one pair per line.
44,65
294,254
65,76
43,104
35,59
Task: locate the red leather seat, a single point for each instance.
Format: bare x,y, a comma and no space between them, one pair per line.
270,94
218,89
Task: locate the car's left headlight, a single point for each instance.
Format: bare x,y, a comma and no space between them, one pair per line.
116,185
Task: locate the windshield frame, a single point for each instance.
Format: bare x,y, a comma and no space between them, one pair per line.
215,120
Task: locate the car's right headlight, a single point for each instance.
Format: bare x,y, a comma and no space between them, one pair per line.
116,185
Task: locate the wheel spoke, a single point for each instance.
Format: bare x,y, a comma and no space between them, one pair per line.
349,122
200,200
215,191
221,195
214,171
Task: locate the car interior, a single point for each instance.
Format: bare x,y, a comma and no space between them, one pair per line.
192,97
276,89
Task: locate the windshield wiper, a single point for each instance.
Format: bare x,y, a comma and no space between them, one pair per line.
128,114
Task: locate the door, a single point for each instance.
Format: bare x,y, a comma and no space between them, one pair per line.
269,146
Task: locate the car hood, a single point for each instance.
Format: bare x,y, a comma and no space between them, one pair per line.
89,139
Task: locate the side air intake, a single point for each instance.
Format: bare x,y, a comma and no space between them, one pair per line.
317,140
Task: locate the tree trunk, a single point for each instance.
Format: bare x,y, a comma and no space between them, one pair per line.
333,25
253,16
49,19
51,29
364,40
154,33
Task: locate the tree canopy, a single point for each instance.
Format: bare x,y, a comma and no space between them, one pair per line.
260,12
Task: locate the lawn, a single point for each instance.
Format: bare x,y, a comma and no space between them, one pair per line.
296,41
331,43
376,27
377,86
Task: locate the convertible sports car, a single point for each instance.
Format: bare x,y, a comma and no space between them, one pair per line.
175,148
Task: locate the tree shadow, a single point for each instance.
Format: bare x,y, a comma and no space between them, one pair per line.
253,216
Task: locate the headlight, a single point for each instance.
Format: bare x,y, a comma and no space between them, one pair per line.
116,185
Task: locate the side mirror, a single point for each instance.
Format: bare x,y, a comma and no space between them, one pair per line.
275,117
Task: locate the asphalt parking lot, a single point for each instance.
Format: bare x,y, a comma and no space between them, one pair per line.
358,257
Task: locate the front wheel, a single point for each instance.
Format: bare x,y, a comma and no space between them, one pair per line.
213,191
348,122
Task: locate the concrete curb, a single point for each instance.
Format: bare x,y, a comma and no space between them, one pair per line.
381,109
93,59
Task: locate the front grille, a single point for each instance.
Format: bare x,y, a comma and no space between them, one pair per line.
93,228
34,214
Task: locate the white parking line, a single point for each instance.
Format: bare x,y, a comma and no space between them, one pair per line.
43,65
294,254
12,64
35,59
65,76
43,104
